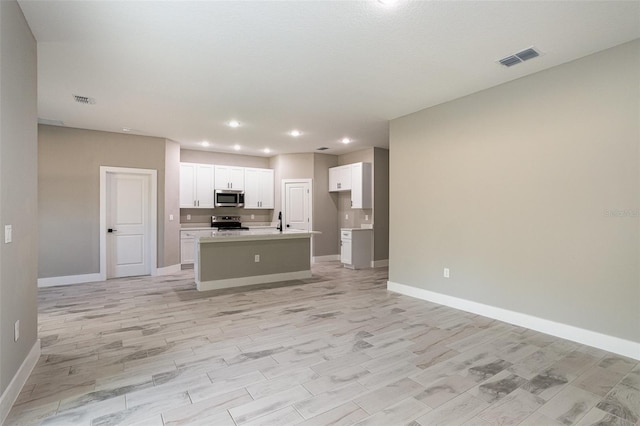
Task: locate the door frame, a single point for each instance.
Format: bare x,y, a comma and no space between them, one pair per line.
283,201
153,215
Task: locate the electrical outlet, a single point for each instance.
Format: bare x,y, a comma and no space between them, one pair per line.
366,217
188,217
16,331
257,258
253,216
8,230
446,272
170,217
346,216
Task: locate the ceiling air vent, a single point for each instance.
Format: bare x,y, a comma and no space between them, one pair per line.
516,58
84,100
322,148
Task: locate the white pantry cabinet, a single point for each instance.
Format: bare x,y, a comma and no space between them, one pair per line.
355,177
196,185
340,178
229,177
258,188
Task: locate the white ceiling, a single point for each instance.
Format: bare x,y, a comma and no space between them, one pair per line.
331,69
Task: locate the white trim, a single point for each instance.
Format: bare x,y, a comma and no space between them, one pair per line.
326,258
565,331
10,395
379,263
69,279
168,270
256,279
153,212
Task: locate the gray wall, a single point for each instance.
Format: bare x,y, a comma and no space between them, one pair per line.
381,204
289,166
510,189
18,189
325,207
235,259
69,195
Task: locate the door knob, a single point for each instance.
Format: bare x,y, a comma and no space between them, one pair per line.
111,230
287,225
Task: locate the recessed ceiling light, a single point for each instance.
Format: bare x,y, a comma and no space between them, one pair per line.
345,140
204,143
236,147
388,2
234,123
266,150
295,133
126,129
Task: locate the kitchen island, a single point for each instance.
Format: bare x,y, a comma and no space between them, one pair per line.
226,259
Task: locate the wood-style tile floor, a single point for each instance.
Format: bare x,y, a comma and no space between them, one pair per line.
336,349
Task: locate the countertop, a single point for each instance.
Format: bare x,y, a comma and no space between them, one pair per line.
254,234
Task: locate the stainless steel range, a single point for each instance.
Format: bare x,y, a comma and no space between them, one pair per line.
227,223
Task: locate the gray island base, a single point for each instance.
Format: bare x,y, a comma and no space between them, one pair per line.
238,258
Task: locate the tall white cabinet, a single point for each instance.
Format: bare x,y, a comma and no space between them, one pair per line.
258,188
196,185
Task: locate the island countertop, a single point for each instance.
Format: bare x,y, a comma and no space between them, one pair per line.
205,237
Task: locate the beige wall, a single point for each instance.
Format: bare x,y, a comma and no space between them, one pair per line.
289,166
68,195
510,188
170,248
208,157
18,189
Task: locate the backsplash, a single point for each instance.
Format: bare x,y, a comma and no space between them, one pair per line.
357,217
203,216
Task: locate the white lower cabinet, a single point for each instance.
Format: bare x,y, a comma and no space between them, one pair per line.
187,248
356,247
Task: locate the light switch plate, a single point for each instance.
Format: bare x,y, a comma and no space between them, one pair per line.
188,217
170,217
7,234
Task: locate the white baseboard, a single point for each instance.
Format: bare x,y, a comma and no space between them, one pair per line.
70,279
17,383
613,344
258,279
168,270
326,258
379,263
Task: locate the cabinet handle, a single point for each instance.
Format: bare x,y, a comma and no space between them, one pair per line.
198,203
194,203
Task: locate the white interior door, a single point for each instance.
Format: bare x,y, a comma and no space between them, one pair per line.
297,207
128,225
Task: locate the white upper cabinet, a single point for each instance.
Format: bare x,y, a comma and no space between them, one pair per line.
229,177
355,178
361,194
340,178
258,191
196,185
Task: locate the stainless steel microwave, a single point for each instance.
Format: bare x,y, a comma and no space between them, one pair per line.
228,198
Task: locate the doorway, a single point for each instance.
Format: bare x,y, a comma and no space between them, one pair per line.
128,218
297,203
